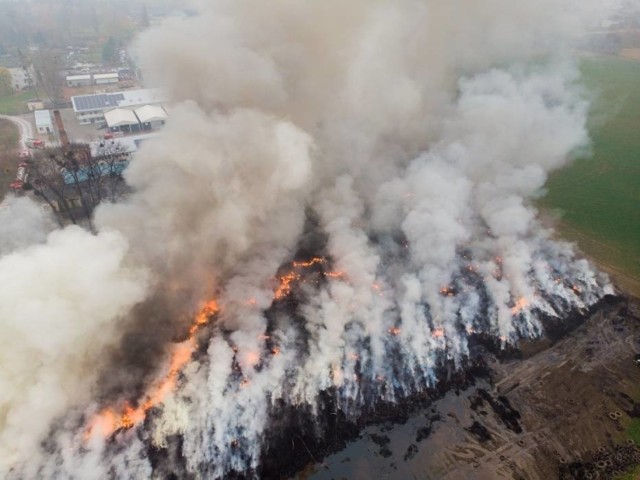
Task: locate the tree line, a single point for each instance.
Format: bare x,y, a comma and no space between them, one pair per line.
73,181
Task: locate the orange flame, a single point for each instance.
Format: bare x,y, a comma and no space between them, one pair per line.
284,288
202,318
287,280
437,332
252,358
108,421
310,263
520,305
334,274
447,292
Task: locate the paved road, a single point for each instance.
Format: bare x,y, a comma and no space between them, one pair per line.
25,127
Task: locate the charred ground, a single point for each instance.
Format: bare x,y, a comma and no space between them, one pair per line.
560,410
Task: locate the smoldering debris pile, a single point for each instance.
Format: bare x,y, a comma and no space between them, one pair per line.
349,182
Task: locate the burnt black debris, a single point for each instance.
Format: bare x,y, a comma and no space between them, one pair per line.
479,431
603,463
501,408
412,450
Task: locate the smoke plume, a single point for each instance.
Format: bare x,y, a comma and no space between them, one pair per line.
400,143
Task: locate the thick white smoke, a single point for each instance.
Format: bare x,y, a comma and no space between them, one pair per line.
407,139
60,304
23,223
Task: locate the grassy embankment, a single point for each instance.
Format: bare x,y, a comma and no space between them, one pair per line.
9,137
633,431
598,198
15,103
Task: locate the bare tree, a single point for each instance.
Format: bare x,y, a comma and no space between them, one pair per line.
6,83
47,183
144,16
47,66
109,160
76,180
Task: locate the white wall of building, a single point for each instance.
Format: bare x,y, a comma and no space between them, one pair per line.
79,80
19,78
91,116
105,78
44,123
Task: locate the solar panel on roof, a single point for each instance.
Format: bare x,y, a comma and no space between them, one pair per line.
97,102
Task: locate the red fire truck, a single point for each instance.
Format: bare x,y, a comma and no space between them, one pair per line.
22,176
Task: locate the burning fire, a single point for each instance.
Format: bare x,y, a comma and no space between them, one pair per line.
334,274
284,288
447,291
310,263
109,421
437,333
520,305
287,280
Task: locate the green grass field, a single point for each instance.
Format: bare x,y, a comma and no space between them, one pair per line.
633,432
9,137
598,197
16,103
633,474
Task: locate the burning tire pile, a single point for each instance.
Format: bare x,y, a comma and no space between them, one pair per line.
338,214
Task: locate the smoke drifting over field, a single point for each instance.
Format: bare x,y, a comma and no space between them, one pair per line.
403,143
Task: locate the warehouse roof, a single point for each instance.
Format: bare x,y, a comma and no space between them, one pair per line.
75,78
43,118
151,113
103,101
99,76
96,102
119,117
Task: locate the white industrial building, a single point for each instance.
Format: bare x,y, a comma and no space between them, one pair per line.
44,123
91,108
20,78
151,116
86,79
122,120
129,120
79,80
105,78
